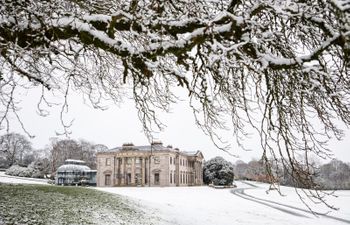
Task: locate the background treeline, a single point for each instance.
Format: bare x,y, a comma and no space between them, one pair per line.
17,153
333,175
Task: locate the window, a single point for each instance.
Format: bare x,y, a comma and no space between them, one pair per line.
108,161
137,161
156,178
128,161
156,160
171,177
171,160
107,179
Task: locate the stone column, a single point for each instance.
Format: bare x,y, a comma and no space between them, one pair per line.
195,173
177,171
116,170
147,170
122,171
200,173
113,171
143,174
133,171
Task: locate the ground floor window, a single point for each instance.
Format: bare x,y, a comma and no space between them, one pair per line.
107,179
156,178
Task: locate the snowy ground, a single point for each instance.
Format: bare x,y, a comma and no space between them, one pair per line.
245,204
20,180
34,203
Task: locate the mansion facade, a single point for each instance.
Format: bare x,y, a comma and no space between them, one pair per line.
151,165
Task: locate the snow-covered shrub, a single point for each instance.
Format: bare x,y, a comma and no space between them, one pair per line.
37,169
33,170
20,171
218,171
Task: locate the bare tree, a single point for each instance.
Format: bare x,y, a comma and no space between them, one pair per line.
13,147
62,149
281,67
89,151
241,170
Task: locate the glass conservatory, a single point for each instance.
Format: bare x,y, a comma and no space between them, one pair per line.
75,172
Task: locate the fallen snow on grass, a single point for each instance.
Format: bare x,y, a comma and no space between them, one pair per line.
56,205
243,205
20,180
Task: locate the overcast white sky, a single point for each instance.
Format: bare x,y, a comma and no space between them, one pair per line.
119,125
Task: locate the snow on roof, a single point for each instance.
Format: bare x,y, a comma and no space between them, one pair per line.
74,161
73,165
190,152
154,147
73,168
157,146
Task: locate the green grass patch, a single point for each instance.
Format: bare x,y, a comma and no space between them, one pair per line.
46,204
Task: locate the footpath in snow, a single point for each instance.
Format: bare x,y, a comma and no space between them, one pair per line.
247,204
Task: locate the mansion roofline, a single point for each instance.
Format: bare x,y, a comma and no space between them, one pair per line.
154,146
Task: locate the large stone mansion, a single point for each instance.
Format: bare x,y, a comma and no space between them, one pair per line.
151,165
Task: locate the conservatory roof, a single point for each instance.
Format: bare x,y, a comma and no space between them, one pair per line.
74,161
73,168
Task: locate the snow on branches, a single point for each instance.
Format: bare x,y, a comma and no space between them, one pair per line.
279,66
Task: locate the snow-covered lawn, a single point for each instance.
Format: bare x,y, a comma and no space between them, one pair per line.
20,180
203,205
27,201
243,205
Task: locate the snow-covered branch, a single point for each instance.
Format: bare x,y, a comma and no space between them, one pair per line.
272,65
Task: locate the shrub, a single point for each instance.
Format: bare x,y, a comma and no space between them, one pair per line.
19,171
218,171
34,170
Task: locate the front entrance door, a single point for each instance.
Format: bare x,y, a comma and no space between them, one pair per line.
156,178
128,179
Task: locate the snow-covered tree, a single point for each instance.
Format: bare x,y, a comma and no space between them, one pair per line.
14,147
218,171
270,64
334,175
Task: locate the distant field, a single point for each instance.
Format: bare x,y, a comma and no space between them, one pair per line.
39,204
